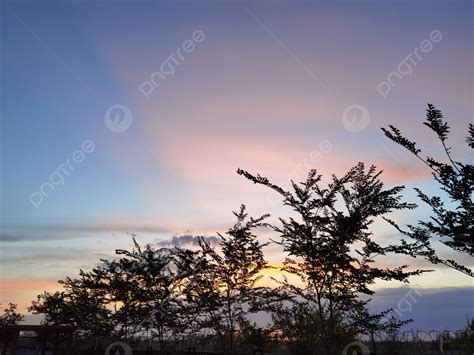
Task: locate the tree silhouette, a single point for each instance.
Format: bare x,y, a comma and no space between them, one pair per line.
198,306
451,223
78,305
10,315
171,294
146,286
123,297
236,270
298,325
331,249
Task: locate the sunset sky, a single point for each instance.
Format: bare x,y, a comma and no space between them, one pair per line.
269,86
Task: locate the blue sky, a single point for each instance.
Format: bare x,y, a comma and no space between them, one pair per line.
265,88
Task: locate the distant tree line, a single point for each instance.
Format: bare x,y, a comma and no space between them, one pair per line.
210,295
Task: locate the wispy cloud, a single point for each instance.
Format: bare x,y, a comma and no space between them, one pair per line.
188,240
41,232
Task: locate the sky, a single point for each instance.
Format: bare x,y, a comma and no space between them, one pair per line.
125,117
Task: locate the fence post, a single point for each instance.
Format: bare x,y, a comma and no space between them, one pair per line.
373,342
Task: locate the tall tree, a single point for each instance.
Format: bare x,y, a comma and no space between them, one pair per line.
331,249
236,271
147,272
199,298
157,278
452,218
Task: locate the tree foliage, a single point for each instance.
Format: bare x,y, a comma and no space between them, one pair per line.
168,293
237,269
452,218
10,315
331,249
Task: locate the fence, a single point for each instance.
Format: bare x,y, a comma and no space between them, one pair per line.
432,342
414,342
